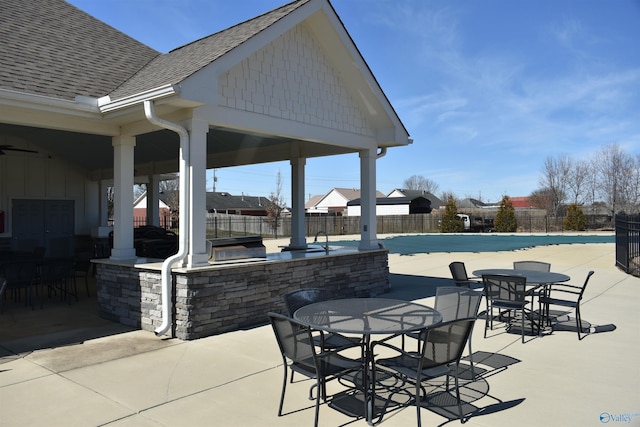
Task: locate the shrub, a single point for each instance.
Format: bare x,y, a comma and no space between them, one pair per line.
506,217
450,223
575,220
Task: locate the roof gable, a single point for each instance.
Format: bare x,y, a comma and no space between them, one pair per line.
52,48
184,61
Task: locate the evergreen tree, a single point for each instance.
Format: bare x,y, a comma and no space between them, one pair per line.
575,220
450,223
506,217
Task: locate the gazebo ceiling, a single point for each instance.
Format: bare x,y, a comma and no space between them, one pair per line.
157,152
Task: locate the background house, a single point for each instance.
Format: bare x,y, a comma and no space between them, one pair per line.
222,202
140,212
393,206
335,201
434,202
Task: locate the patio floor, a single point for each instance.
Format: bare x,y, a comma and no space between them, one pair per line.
82,370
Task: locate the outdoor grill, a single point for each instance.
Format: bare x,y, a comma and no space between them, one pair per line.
231,248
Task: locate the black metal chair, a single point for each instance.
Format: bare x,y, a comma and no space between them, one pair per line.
535,266
549,298
300,355
57,275
20,276
301,297
507,294
459,274
441,350
455,303
532,265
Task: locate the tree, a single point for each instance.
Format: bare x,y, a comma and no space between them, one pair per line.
419,182
506,217
170,194
555,180
575,220
578,182
275,205
614,170
450,223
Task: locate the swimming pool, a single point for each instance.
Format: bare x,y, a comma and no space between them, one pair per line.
427,243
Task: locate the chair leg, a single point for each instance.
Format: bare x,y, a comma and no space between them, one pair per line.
284,387
473,374
458,393
320,385
578,322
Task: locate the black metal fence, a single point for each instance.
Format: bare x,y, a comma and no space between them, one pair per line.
628,243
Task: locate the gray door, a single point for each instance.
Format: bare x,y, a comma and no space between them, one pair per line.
47,223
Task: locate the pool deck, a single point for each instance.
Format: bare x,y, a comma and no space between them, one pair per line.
108,375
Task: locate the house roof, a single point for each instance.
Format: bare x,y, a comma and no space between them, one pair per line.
386,201
221,201
182,62
313,201
521,202
54,49
412,194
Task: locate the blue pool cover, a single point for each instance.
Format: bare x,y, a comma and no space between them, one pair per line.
416,244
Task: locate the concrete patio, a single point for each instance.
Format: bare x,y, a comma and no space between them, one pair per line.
99,373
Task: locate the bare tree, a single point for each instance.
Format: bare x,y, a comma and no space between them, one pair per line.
275,205
555,178
614,170
578,181
170,194
419,182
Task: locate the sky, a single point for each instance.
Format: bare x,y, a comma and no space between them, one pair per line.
486,89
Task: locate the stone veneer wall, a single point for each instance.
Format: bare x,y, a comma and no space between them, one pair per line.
227,298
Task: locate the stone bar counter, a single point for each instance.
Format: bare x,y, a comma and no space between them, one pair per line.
230,295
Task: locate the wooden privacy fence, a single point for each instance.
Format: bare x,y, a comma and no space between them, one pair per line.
226,225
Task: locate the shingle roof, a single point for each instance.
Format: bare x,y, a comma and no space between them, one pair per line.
221,201
52,48
180,63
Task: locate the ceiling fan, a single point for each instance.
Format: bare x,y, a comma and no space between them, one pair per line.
4,148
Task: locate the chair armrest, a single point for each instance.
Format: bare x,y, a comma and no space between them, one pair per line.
382,343
564,287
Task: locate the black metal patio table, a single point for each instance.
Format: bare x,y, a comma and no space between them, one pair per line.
366,317
535,280
534,277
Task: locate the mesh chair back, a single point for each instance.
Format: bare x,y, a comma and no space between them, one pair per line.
504,288
444,343
459,273
301,297
532,265
19,273
457,303
56,270
294,340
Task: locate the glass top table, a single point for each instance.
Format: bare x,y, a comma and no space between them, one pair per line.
366,317
534,277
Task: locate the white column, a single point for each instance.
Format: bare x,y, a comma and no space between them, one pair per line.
368,239
197,252
298,238
123,152
153,199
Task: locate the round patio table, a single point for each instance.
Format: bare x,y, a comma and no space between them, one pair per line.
366,317
534,277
